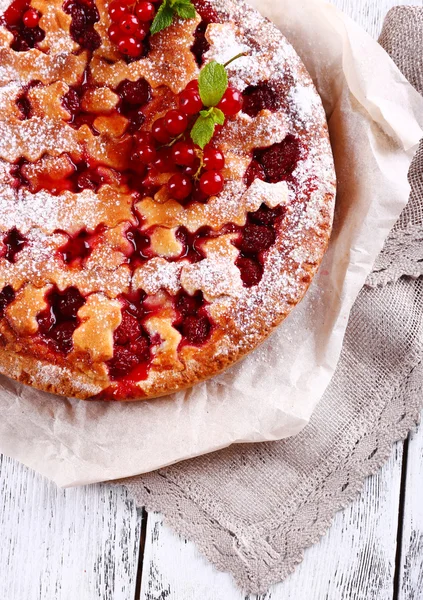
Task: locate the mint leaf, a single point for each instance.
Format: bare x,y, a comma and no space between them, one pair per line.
184,9
203,130
212,83
163,18
204,127
218,116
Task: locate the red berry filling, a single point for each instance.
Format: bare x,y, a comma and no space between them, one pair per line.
200,45
193,242
84,15
257,236
134,95
196,329
72,102
22,20
13,242
7,295
79,247
140,243
132,344
24,106
260,97
59,321
276,163
208,15
194,323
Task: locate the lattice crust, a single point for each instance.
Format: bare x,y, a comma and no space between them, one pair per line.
22,313
100,316
40,261
146,254
35,65
56,25
168,62
217,274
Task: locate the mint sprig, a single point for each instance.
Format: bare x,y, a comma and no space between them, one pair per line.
168,10
212,85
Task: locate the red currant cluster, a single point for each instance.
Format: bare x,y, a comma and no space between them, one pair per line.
169,148
131,23
21,11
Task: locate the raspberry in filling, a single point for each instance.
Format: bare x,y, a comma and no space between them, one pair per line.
276,163
7,295
260,97
132,344
257,236
84,15
59,321
22,20
134,95
194,323
14,242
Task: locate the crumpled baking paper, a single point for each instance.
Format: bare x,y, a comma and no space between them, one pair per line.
374,117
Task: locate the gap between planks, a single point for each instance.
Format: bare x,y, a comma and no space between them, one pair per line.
353,561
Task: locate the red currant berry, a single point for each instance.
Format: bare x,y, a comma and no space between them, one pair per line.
160,132
146,153
190,102
179,186
231,102
191,170
144,137
175,122
118,10
145,11
214,159
142,31
31,18
115,33
193,85
164,162
211,183
139,167
129,24
183,154
130,46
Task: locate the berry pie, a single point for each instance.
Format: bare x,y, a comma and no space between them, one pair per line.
166,191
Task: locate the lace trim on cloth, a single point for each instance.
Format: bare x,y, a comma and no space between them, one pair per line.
196,497
374,399
406,243
257,564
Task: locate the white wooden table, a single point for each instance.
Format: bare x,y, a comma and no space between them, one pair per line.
93,543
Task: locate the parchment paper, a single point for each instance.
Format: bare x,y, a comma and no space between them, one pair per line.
374,117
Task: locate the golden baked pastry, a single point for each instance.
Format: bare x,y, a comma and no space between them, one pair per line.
136,260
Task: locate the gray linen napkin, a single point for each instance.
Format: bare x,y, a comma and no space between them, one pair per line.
253,509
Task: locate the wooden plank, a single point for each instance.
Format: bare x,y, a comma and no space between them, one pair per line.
371,13
78,544
354,560
411,569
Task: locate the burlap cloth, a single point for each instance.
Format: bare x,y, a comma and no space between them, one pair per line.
253,509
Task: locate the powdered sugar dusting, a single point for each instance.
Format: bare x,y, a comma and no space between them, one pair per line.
242,314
